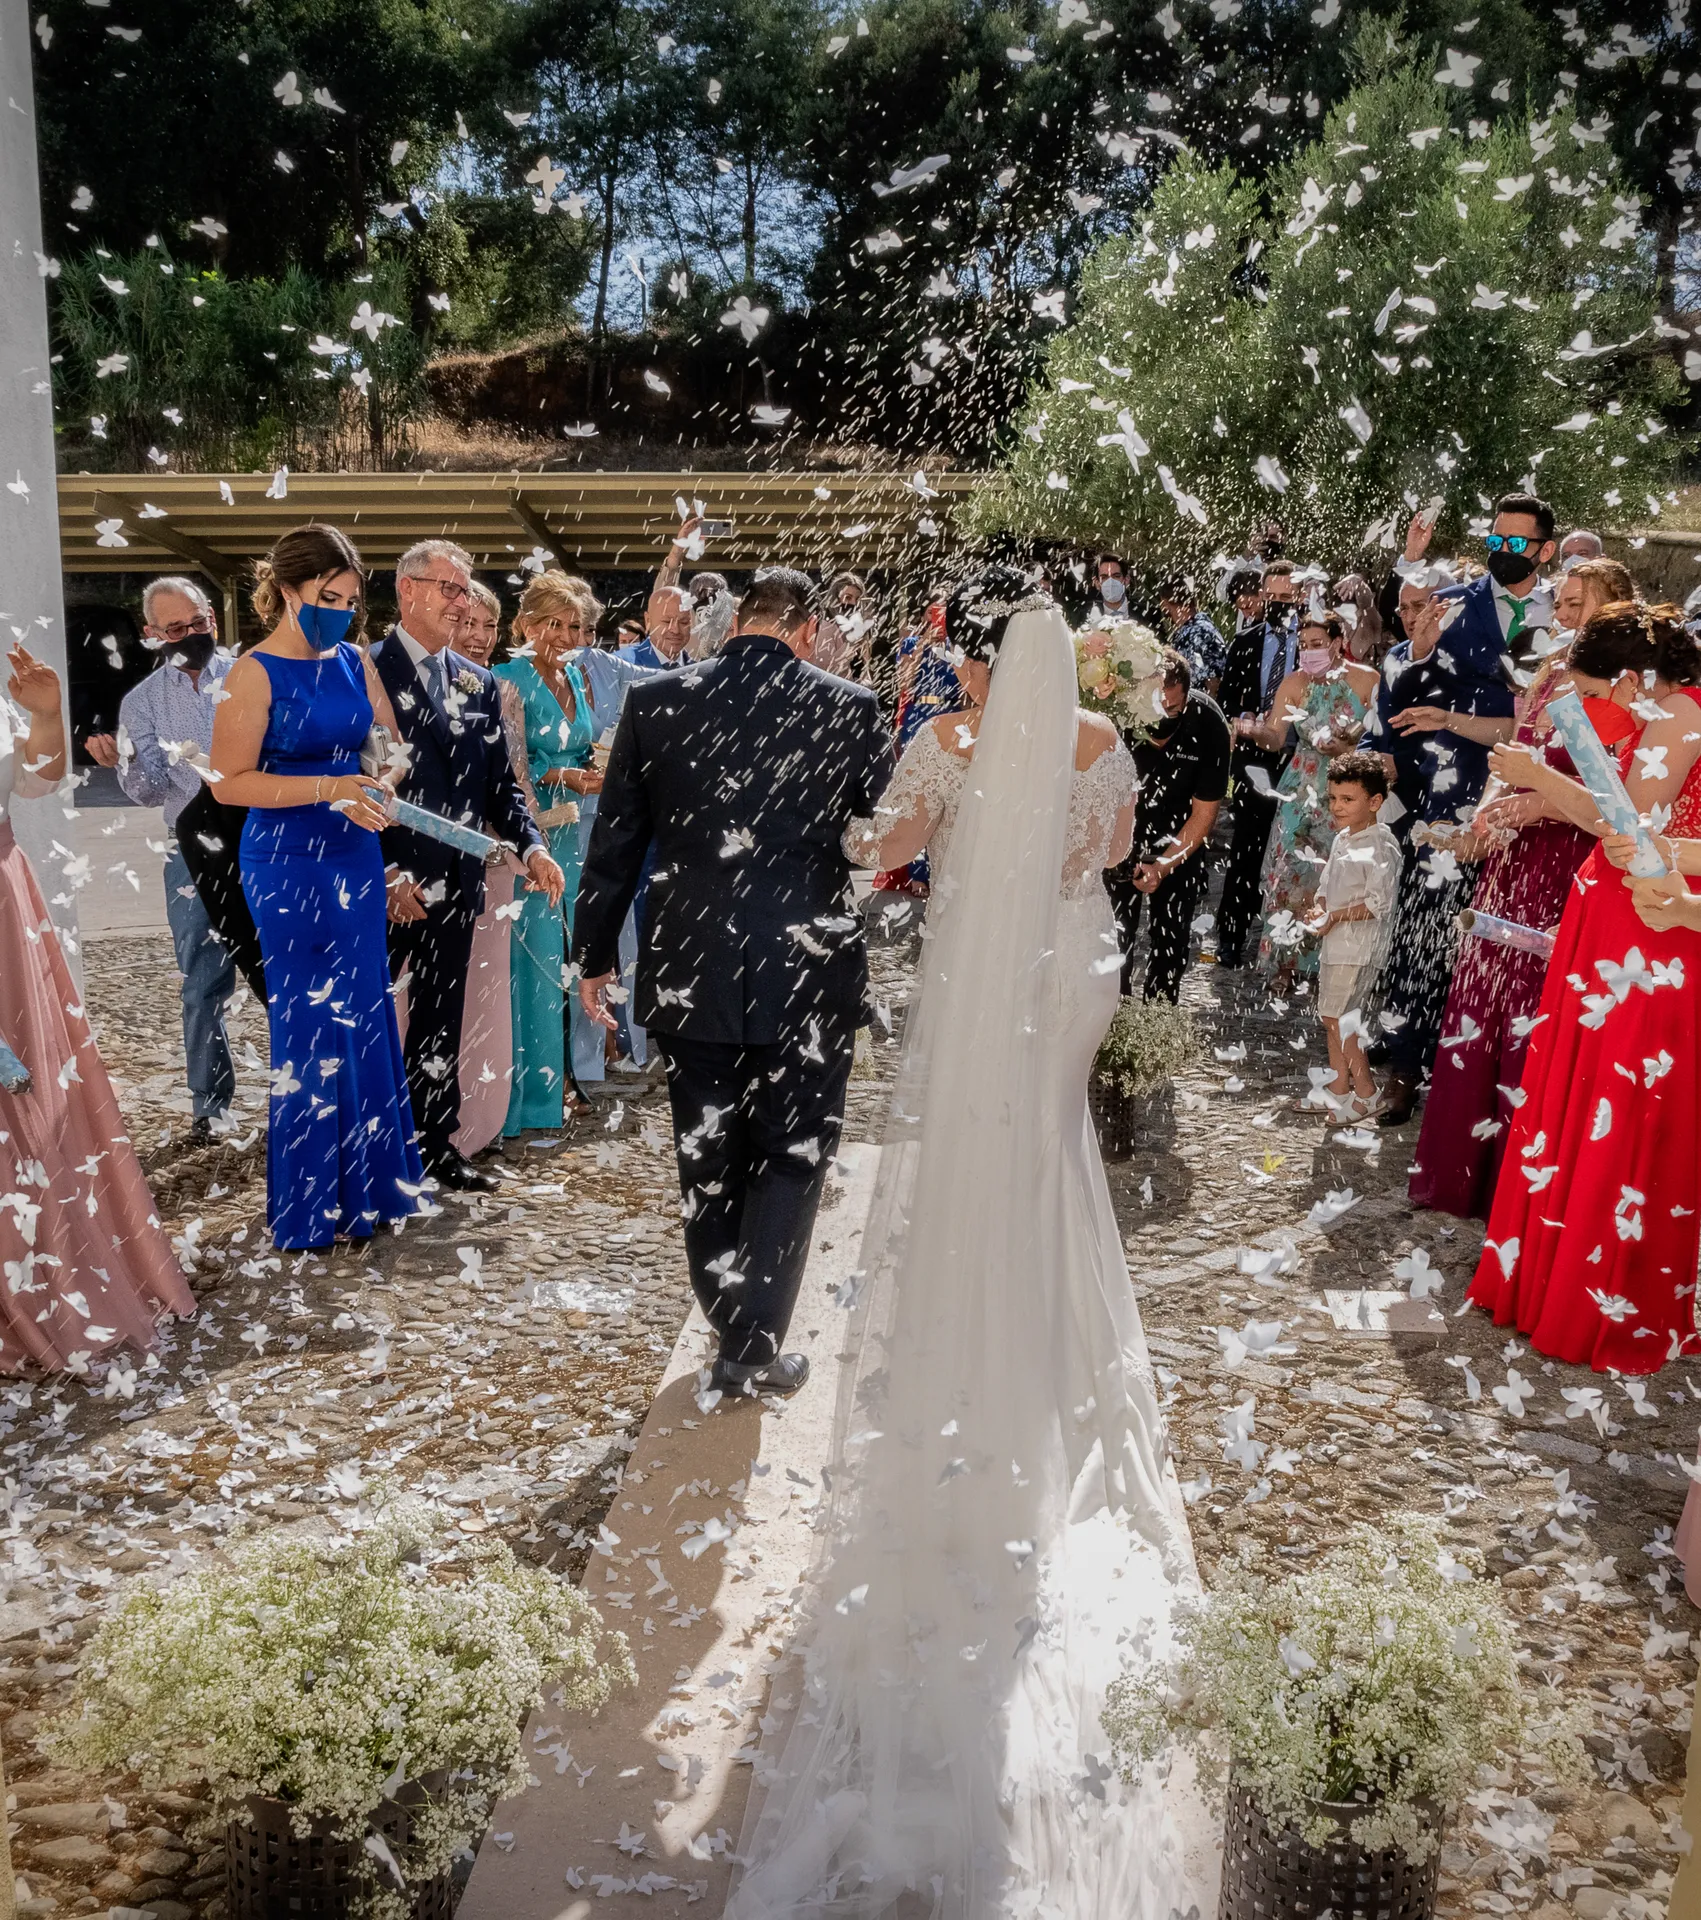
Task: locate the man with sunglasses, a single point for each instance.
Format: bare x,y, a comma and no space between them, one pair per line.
162,716
447,709
1445,700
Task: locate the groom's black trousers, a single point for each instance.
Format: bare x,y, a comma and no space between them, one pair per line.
754,1128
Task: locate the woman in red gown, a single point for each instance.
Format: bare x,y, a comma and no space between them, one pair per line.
1592,1241
1532,857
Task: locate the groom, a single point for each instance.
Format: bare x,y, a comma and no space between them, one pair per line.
745,770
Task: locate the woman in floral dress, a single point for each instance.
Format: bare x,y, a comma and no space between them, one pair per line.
1320,706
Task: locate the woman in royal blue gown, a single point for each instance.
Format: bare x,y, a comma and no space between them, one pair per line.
340,1154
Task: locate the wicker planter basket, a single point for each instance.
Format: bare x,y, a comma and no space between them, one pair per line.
273,1874
1120,1118
1273,1874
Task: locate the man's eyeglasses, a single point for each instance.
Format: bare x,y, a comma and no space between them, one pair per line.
1514,542
451,590
180,630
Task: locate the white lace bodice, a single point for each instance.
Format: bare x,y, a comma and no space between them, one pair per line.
929,784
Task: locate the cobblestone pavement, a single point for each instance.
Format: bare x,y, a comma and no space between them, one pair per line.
496,1358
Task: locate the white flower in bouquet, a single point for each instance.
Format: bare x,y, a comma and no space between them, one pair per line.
325,1674
1386,1676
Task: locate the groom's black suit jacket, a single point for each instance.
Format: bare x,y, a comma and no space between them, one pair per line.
744,770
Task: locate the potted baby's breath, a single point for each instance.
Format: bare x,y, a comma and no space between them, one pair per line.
1353,1704
1147,1044
354,1706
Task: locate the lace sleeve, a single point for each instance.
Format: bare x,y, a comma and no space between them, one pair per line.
908,814
1101,791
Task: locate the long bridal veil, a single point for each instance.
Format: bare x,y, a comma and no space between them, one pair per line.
999,1531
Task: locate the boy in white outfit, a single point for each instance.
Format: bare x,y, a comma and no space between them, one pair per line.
1355,898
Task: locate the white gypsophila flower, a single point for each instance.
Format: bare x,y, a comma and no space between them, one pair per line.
1147,1043
1408,1686
315,1672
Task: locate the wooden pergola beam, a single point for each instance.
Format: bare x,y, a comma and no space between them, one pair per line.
534,523
220,568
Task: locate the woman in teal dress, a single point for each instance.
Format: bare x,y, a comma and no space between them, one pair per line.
559,731
1320,708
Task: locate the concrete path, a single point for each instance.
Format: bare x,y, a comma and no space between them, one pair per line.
121,891
644,1802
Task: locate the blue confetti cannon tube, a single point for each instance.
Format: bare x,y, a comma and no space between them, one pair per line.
14,1075
433,825
1507,933
1599,773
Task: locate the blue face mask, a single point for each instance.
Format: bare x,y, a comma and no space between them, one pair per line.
323,628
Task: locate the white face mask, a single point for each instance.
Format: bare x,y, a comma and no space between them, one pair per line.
1112,592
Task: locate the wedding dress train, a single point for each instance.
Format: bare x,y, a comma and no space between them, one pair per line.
1001,1531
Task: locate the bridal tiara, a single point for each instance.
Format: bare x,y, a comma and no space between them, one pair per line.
989,610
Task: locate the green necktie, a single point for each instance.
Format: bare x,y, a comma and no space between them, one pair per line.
1519,609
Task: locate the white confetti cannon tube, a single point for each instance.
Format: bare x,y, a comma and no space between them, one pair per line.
1599,773
1507,933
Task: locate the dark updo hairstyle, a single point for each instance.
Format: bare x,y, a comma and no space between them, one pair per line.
979,610
303,554
1627,637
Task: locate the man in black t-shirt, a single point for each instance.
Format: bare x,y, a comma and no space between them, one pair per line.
1183,773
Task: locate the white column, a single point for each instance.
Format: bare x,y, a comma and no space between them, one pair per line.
32,607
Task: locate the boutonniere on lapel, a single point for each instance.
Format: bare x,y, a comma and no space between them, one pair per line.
466,681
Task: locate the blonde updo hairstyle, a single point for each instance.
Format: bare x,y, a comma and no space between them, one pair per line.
298,557
554,593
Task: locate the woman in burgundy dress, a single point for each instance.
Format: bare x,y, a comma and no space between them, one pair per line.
1592,1241
1533,853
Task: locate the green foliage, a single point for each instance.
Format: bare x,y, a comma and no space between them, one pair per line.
752,144
510,272
1448,297
213,372
185,123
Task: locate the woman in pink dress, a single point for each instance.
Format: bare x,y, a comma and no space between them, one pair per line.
1533,852
86,1265
1592,1240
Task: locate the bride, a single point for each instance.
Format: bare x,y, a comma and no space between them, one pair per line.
1001,1530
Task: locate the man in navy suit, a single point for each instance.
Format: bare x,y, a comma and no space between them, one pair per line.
450,716
745,771
1444,701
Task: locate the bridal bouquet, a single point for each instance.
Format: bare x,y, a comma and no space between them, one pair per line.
1383,1678
325,1674
1120,670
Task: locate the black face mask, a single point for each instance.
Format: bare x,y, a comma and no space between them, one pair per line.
191,653
1510,569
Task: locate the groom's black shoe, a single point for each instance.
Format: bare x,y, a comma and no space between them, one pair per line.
780,1378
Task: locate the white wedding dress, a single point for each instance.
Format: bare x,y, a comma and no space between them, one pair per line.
1001,1531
